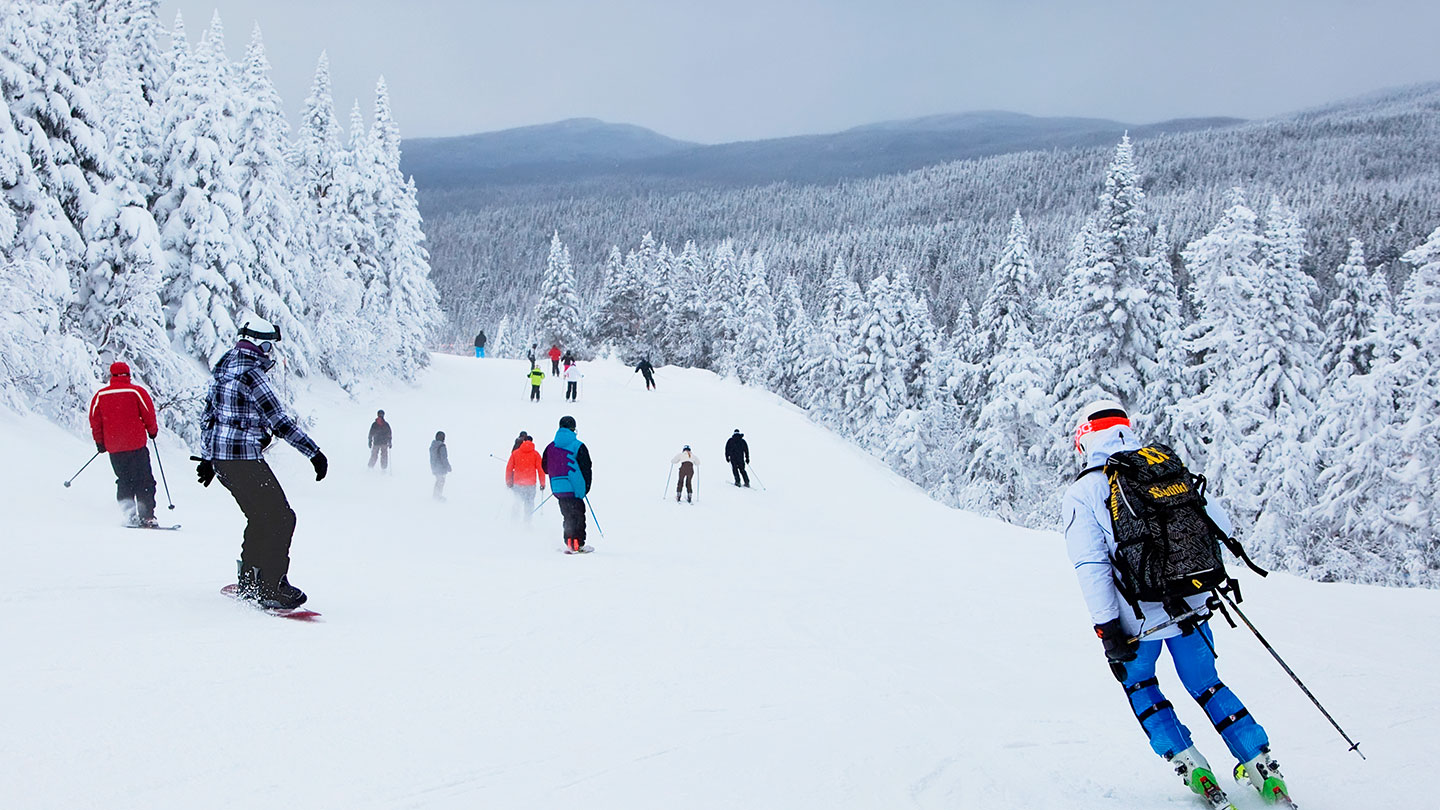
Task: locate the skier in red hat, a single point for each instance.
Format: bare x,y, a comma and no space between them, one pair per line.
122,420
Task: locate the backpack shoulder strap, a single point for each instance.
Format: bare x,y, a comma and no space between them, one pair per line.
1088,470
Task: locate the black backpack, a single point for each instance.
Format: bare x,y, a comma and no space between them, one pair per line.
1166,546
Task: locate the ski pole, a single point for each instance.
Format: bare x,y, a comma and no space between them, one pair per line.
542,503
1171,622
161,464
593,516
1354,746
757,479
666,493
83,466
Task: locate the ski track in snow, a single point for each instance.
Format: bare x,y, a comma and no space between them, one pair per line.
835,641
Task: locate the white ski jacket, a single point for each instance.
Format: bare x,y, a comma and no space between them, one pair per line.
686,456
1090,539
572,374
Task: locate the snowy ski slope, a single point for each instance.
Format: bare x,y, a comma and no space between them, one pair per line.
835,641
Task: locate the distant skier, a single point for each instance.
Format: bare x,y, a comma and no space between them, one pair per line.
567,462
536,376
439,463
568,358
241,411
523,473
688,461
554,360
519,440
1102,430
480,344
380,439
737,452
572,382
122,419
530,355
648,372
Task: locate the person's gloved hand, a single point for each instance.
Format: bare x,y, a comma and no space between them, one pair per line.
1120,646
205,472
99,447
321,465
265,439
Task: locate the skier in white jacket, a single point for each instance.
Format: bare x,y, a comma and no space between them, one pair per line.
688,461
572,382
1102,429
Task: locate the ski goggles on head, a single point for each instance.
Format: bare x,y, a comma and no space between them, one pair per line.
1101,421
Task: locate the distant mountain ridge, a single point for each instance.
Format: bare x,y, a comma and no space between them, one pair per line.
585,147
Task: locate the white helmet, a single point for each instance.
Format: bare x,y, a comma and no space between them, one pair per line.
257,330
1095,418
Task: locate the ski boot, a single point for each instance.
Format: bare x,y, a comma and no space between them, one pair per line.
253,588
1263,773
1192,767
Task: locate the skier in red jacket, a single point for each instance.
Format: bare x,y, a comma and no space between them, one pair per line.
122,420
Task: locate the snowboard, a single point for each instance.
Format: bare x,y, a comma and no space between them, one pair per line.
297,614
156,528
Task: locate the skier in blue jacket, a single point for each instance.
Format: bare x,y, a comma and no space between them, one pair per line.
567,461
1102,429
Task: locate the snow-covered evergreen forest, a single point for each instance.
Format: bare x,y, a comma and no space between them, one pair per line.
154,196
1313,416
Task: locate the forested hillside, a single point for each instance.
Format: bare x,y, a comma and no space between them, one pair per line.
1263,299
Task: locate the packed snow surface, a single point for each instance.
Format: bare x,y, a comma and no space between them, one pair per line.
833,640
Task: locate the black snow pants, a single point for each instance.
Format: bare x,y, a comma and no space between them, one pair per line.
686,479
134,483
737,467
573,511
270,522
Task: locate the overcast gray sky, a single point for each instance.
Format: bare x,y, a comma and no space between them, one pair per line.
722,70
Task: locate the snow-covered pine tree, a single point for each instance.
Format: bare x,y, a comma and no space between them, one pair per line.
335,293
795,341
756,349
688,336
1110,334
413,303
1283,383
724,292
271,212
1219,427
1005,470
617,319
833,348
875,387
201,213
557,314
1359,320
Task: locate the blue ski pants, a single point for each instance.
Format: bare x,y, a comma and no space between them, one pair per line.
1194,659
479,351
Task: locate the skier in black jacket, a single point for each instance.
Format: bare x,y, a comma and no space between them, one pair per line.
480,344
737,452
379,441
648,371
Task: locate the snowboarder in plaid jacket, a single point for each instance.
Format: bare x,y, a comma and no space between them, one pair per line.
241,413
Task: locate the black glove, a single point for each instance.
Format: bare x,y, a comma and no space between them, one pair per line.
99,447
321,464
265,439
205,472
1120,646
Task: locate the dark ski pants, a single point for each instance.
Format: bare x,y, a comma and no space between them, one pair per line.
649,380
572,391
270,520
134,483
554,368
686,479
1194,660
572,509
737,467
535,392
380,452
